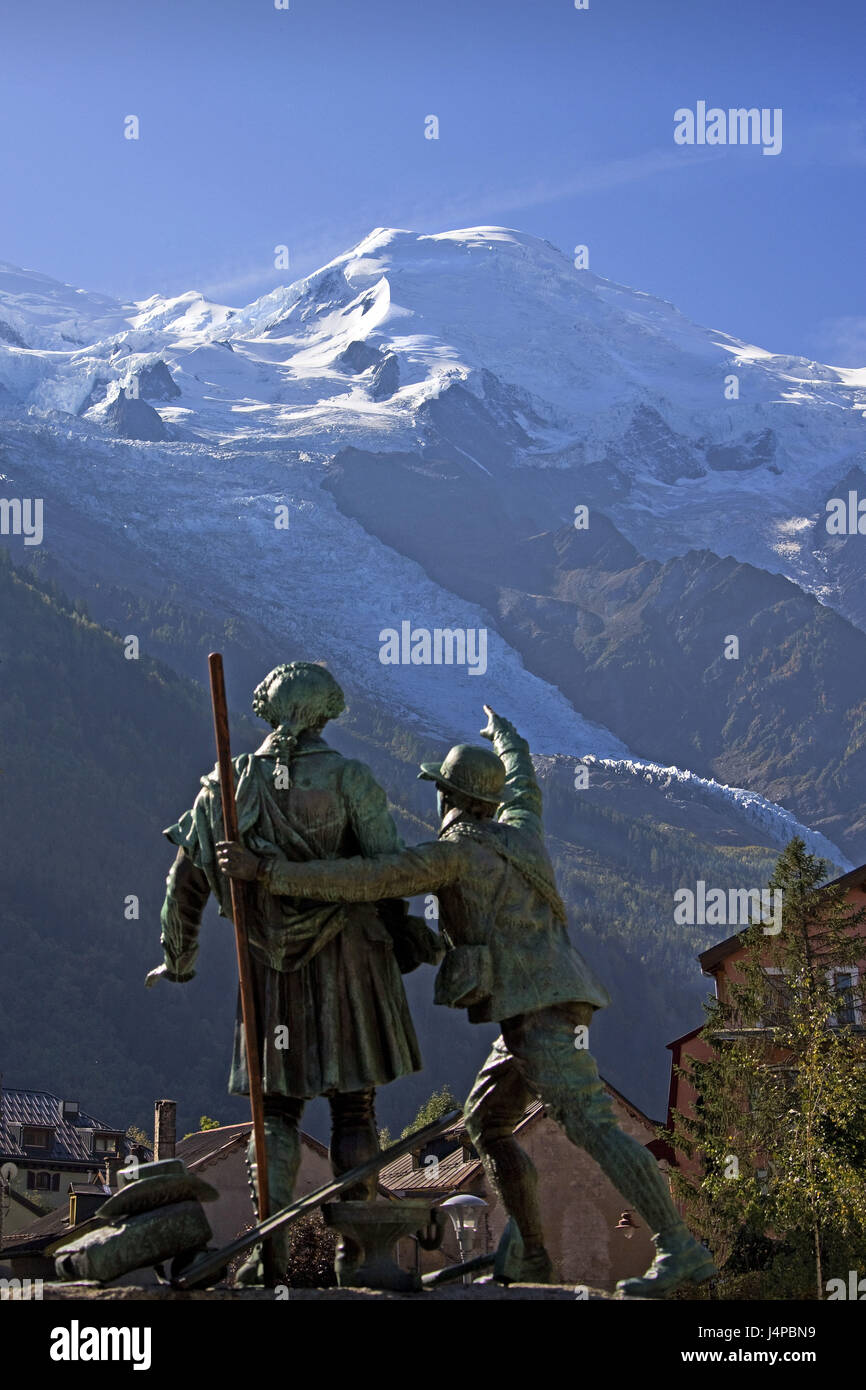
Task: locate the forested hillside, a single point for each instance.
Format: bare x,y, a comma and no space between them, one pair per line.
101,752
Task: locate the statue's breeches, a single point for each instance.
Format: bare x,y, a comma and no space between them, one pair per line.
543,1055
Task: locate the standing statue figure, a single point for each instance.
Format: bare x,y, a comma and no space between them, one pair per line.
509,959
332,1014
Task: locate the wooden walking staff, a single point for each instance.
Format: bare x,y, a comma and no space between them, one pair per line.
239,905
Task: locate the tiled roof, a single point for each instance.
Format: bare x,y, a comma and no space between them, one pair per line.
71,1137
208,1144
453,1170
633,1110
450,1173
38,1233
53,1224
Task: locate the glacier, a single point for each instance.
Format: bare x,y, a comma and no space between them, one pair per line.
574,368
772,820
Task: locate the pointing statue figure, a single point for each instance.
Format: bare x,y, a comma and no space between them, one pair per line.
509,960
332,1014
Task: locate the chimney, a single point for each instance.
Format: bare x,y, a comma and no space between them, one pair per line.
112,1168
164,1129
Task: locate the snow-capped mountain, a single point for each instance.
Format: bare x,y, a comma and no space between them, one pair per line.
381,347
417,392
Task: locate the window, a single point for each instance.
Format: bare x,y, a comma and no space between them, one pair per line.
37,1137
43,1182
105,1143
845,984
777,998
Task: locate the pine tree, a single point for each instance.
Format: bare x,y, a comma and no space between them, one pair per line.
780,1117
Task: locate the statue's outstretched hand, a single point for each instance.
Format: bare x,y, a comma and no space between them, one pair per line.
490,727
236,861
162,972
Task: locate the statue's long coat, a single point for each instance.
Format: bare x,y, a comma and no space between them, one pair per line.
326,973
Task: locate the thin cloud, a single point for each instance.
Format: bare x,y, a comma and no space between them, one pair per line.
470,208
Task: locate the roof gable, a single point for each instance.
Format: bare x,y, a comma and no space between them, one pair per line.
212,1145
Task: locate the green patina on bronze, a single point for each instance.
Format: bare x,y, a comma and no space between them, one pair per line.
509,958
331,1012
500,912
328,973
155,1214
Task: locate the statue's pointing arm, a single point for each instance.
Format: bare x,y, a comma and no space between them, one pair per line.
523,804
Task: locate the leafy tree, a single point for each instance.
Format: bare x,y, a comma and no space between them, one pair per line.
437,1105
205,1122
780,1117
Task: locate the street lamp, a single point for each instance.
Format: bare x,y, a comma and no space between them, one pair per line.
626,1225
465,1212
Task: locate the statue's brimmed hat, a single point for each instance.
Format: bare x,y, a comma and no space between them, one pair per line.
474,772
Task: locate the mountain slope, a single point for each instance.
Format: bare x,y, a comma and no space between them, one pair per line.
403,437
124,743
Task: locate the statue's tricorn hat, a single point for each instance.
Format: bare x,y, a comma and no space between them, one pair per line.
474,772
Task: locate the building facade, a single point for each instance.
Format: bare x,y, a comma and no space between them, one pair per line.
48,1144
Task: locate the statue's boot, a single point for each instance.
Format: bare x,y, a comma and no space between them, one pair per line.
587,1117
514,1266
679,1259
494,1107
354,1139
283,1150
523,1258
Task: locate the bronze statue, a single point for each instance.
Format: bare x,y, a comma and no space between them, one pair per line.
509,959
331,1009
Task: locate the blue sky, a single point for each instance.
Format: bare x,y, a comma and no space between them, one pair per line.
305,127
